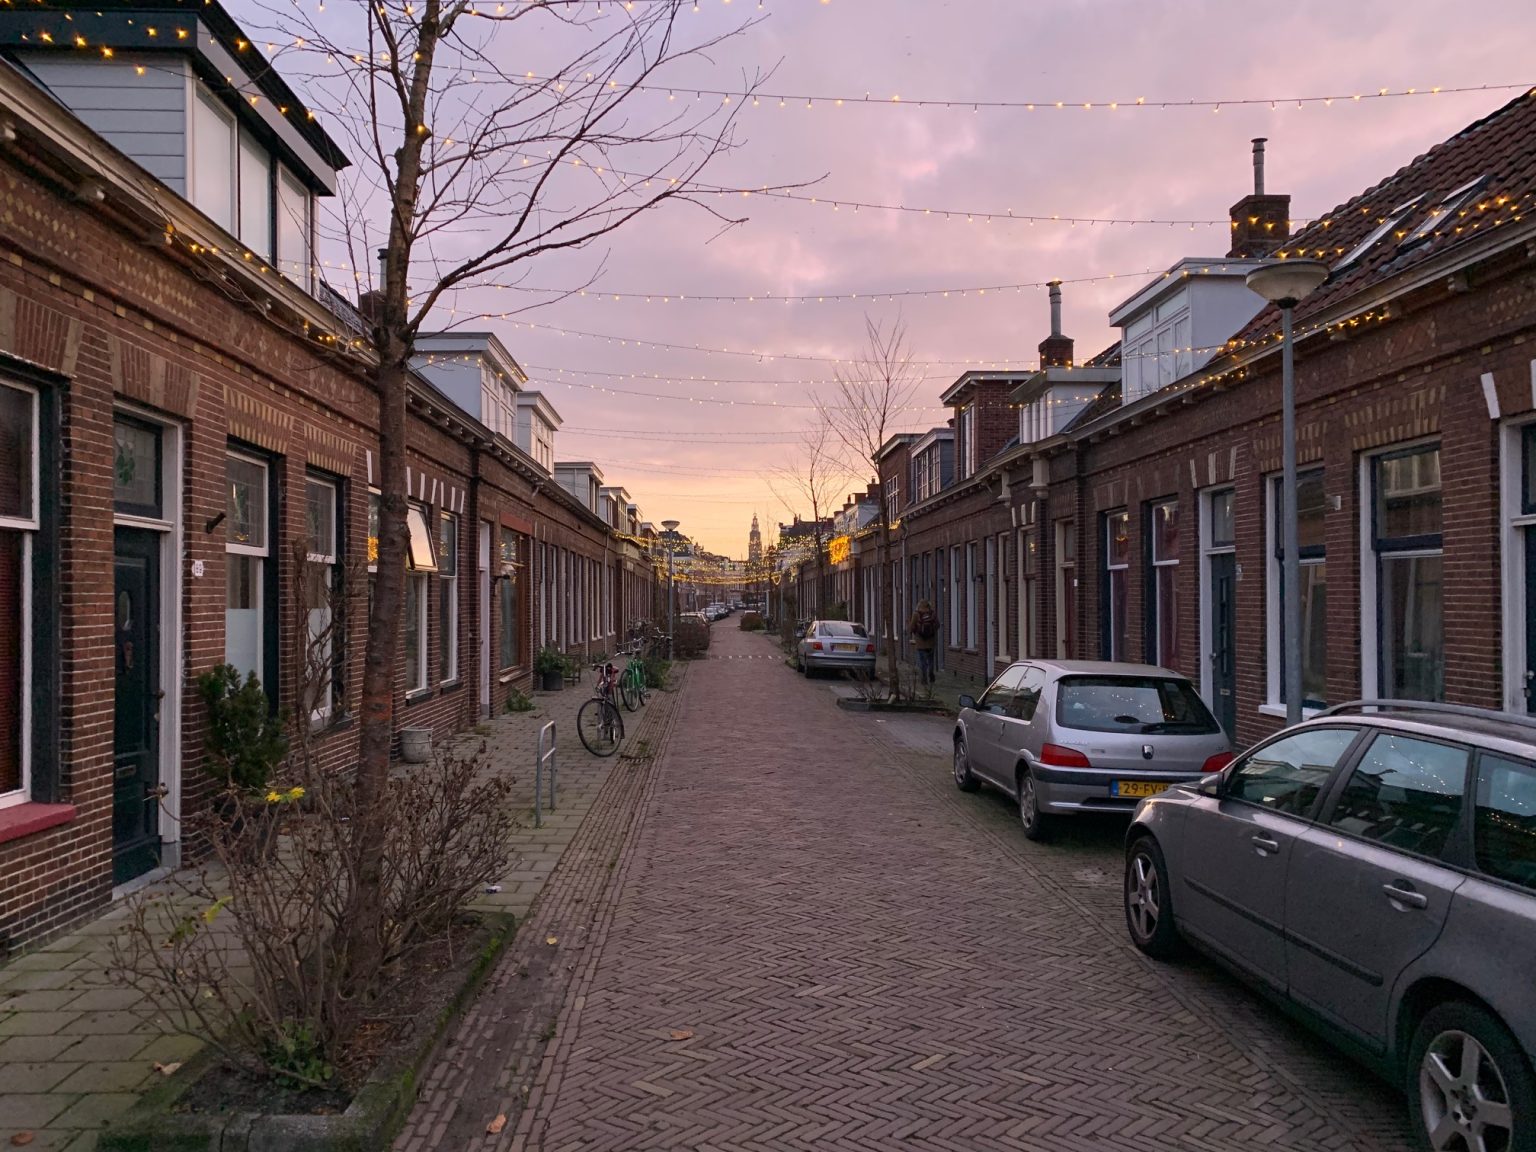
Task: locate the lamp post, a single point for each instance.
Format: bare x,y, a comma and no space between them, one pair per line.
671,527
1285,283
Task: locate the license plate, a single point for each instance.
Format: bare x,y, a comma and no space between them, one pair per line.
845,647
1136,789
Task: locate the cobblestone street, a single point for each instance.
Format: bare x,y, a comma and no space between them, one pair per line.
806,938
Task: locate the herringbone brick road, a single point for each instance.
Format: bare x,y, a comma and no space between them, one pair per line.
808,941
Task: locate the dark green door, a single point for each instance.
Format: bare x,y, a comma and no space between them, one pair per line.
136,735
1223,654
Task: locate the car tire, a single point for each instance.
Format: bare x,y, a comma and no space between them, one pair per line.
1149,900
1036,824
1452,1102
965,780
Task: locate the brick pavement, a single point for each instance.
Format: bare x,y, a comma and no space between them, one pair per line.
808,942
76,1051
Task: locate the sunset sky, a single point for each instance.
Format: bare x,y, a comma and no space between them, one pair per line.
707,464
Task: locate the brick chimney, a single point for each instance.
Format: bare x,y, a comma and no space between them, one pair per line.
1056,349
368,303
1260,223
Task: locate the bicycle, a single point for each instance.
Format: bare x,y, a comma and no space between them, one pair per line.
599,722
632,688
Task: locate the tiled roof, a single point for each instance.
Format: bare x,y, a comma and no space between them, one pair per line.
1500,148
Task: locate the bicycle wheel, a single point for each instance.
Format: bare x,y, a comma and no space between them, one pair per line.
627,694
599,727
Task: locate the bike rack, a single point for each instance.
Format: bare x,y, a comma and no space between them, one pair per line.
545,754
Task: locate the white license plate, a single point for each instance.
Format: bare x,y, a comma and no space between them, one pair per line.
845,647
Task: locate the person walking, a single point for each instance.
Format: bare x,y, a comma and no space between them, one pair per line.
924,627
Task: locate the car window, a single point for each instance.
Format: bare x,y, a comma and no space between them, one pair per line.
1132,704
1405,793
1288,774
1504,834
1025,697
999,693
839,628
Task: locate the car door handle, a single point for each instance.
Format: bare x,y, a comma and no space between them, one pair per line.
1265,844
1408,896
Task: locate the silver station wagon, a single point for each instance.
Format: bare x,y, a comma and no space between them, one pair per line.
1374,871
1069,736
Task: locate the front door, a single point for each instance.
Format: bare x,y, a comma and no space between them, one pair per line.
1529,670
1223,654
136,731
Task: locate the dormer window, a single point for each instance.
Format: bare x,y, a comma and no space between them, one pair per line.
1443,216
1390,224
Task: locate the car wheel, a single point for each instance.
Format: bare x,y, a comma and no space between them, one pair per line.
1035,823
1148,900
964,780
1468,1083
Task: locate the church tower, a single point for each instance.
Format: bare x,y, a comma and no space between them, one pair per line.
754,543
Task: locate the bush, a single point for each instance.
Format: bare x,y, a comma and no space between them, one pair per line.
548,660
751,622
656,672
245,740
691,638
517,702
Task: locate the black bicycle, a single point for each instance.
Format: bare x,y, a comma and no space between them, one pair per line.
599,722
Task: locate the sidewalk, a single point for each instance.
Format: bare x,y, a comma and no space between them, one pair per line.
76,1050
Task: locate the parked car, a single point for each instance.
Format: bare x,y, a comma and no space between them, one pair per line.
1067,736
835,646
1375,872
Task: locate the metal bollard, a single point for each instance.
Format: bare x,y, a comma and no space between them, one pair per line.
544,754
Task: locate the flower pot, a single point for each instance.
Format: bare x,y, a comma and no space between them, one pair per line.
415,745
552,681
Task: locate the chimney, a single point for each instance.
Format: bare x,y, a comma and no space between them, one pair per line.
1056,349
368,302
1261,223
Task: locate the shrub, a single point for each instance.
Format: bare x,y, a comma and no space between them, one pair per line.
751,622
245,740
548,660
691,637
517,702
656,672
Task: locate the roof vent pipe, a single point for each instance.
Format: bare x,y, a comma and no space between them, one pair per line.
1055,287
1258,165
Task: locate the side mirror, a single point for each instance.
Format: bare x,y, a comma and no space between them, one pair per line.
967,702
1214,785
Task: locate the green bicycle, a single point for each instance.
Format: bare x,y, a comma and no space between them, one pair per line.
632,689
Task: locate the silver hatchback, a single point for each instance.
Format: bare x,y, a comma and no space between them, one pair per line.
1374,871
1065,736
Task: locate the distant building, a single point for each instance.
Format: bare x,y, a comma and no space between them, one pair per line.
754,543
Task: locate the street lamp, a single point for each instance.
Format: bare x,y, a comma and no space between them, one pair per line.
671,527
1285,283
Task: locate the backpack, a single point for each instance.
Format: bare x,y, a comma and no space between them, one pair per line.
927,626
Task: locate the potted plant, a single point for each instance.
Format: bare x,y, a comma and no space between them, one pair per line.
245,744
549,665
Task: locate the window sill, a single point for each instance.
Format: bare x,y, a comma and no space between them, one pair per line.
447,687
22,820
1278,711
418,695
506,676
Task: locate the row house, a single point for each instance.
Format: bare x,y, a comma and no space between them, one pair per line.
182,405
1136,515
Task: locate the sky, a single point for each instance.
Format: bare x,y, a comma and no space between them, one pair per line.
699,436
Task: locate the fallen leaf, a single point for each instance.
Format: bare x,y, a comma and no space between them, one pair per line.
497,1124
21,1138
552,940
681,1034
167,1069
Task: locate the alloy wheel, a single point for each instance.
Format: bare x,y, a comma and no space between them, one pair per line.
1143,896
1029,814
1463,1096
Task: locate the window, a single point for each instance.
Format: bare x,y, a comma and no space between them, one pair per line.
507,599
1066,590
956,596
1311,502
246,619
293,228
1165,583
1288,774
999,695
1407,545
1117,560
1405,793
1137,704
322,581
997,566
1029,590
375,511
966,433
19,523
136,468
1445,216
255,197
1390,224
970,596
1222,533
1504,834
213,159
420,561
448,594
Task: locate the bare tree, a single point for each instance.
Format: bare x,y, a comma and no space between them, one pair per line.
489,135
815,478
865,405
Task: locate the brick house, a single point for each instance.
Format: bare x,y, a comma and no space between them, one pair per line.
183,404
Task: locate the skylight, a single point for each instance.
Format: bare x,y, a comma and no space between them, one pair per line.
1446,211
1388,225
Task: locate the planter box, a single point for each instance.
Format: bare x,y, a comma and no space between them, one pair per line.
368,1124
552,681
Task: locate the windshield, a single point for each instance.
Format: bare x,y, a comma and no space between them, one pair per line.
1132,704
838,628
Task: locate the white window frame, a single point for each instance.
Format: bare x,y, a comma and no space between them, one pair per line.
1027,584
325,706
1066,580
247,148
1109,585
28,526
1370,560
199,145
972,624
262,552
416,678
1394,218
998,568
300,271
966,425
448,598
1513,524
1273,704
1160,657
1207,499
956,596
